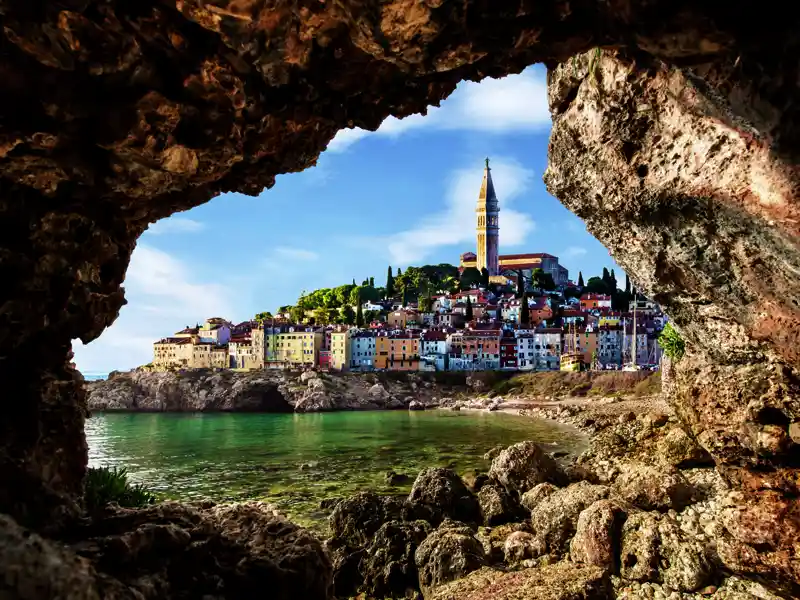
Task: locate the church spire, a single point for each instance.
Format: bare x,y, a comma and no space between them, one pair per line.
488,229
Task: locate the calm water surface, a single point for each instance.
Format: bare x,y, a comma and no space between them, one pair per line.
296,460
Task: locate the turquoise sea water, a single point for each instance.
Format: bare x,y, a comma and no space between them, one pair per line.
296,460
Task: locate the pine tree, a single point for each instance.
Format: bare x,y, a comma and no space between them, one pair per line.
580,279
524,311
359,316
389,284
468,311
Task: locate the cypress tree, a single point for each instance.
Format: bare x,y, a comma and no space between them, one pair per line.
354,280
580,279
399,272
520,284
372,282
627,284
485,278
389,284
359,316
613,282
468,312
405,295
524,311
606,276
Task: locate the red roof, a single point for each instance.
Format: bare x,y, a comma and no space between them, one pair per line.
532,255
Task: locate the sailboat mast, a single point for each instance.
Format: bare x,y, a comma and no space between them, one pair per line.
633,343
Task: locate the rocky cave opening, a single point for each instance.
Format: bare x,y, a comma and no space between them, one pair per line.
675,138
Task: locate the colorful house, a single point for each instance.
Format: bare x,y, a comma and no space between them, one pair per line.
592,301
362,351
340,350
397,352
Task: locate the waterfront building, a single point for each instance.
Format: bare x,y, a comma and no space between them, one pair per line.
593,301
362,351
340,350
299,347
215,330
397,351
547,348
433,351
508,351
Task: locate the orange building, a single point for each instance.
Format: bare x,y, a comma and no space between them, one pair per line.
590,301
397,352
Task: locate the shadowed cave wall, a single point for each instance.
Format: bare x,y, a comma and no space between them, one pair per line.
678,145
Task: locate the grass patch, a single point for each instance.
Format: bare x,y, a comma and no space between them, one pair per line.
672,342
104,485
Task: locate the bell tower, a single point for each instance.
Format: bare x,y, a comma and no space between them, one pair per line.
488,225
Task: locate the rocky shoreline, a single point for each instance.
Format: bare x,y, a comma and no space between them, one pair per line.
642,513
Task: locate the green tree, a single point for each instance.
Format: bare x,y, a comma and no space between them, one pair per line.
613,282
354,281
543,281
405,295
359,316
399,272
263,316
671,342
425,304
297,313
524,311
468,310
580,279
370,316
627,284
389,284
469,278
606,276
285,308
347,315
595,285
371,282
520,284
484,278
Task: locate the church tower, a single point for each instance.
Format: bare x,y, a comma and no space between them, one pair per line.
488,225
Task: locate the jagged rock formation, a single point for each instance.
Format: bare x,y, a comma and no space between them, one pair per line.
263,391
697,200
116,114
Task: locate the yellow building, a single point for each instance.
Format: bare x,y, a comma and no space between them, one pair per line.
608,320
296,348
397,352
340,350
188,353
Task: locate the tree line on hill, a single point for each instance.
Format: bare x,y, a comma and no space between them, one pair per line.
419,284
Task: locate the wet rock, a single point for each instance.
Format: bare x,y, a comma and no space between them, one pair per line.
655,549
308,375
395,404
378,392
561,581
651,488
493,453
447,554
522,466
493,539
414,405
395,479
497,505
598,535
388,566
346,564
355,520
440,493
475,481
555,518
535,495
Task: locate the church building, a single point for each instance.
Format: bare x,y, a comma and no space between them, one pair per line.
488,255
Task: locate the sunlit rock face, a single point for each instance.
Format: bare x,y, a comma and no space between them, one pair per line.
115,114
697,199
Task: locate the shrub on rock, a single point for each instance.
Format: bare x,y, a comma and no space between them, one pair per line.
447,554
440,493
522,466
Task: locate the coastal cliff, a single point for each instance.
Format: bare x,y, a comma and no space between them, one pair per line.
268,391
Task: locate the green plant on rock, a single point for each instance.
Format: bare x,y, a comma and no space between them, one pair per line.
672,343
104,485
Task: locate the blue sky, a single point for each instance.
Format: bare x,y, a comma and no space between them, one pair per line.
402,195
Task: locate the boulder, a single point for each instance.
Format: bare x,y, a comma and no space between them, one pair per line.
560,581
655,549
315,399
308,375
395,404
395,479
493,539
447,554
598,534
347,576
493,453
555,518
414,405
535,495
652,488
522,466
497,505
388,566
378,392
355,520
440,493
677,449
521,545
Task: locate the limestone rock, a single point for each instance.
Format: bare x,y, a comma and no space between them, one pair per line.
493,539
522,466
440,493
355,520
447,554
414,405
308,375
555,518
653,489
561,581
388,566
536,494
377,391
520,546
678,450
497,505
598,535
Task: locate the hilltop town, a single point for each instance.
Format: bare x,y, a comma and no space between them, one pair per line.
516,312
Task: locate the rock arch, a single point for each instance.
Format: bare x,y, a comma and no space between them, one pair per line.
117,113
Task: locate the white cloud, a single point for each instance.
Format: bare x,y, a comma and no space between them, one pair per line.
517,103
287,252
164,294
575,251
456,223
175,225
